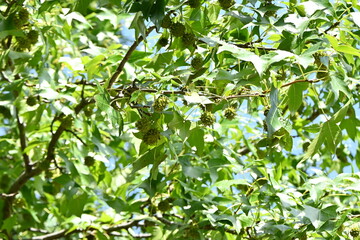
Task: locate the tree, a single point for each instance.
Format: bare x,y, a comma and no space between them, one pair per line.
179,119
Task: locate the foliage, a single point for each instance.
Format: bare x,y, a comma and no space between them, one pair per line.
179,119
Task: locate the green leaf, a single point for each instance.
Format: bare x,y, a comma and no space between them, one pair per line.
138,24
81,6
313,214
225,185
92,66
344,48
148,158
272,119
195,98
239,53
350,126
338,85
339,115
193,171
331,132
313,147
295,94
196,139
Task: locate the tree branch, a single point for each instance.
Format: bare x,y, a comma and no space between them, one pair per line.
65,233
127,56
27,175
73,133
334,25
22,136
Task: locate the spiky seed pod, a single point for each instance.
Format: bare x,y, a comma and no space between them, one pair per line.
166,22
67,121
323,73
188,39
151,137
354,232
23,15
164,206
207,118
89,161
160,103
23,43
177,29
143,124
229,113
17,22
225,4
197,62
88,111
194,3
43,165
163,41
33,36
31,101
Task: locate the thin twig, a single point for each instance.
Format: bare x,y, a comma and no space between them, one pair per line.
73,133
332,26
127,56
65,233
22,136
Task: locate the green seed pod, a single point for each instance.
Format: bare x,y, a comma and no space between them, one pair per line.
23,15
88,111
177,29
197,62
33,36
67,121
143,124
89,161
323,73
354,232
43,165
17,22
207,118
23,43
160,103
229,113
188,39
151,137
225,4
31,101
194,3
166,22
163,41
164,206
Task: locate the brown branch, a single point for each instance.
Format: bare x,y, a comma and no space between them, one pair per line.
73,133
127,56
210,227
22,136
245,95
182,92
297,81
167,222
55,235
334,25
246,45
27,175
65,233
